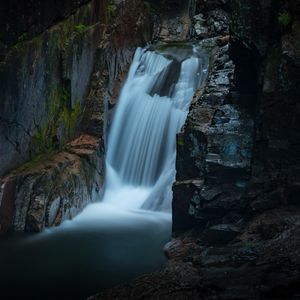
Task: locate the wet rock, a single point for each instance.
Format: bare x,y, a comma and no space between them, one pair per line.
177,249
225,132
52,75
218,22
219,234
183,192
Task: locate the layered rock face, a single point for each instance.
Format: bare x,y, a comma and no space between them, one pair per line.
55,87
26,19
45,192
215,147
276,161
238,154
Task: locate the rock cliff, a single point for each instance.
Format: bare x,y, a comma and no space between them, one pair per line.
57,82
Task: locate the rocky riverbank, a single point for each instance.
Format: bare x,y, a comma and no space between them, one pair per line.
261,263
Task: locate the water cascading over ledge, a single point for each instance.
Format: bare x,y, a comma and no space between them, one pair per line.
152,108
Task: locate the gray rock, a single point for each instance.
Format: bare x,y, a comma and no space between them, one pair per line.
220,234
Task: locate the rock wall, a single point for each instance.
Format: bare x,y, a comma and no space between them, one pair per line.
43,83
23,20
215,148
276,164
56,87
239,152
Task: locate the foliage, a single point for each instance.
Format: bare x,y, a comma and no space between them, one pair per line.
59,114
180,140
110,11
284,19
70,117
80,28
23,37
33,163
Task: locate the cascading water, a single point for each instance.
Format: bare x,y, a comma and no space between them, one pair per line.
122,235
152,108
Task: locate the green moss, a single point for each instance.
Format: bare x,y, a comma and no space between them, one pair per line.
178,45
70,118
110,11
80,28
33,163
59,113
23,37
284,19
248,245
180,140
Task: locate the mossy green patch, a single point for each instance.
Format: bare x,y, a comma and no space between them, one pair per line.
110,11
80,28
170,45
284,19
180,140
23,37
59,115
33,163
70,118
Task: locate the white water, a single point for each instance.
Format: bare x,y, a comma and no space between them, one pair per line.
142,141
140,161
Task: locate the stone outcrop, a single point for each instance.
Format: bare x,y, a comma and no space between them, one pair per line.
23,20
240,142
57,87
276,155
215,148
43,82
52,188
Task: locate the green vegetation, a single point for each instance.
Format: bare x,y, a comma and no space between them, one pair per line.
69,118
110,11
80,28
180,140
284,19
23,37
59,115
32,164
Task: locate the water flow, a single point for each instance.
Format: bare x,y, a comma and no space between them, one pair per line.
152,108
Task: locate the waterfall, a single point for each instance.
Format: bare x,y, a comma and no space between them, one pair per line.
151,110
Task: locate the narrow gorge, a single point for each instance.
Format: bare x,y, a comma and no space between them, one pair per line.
150,149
